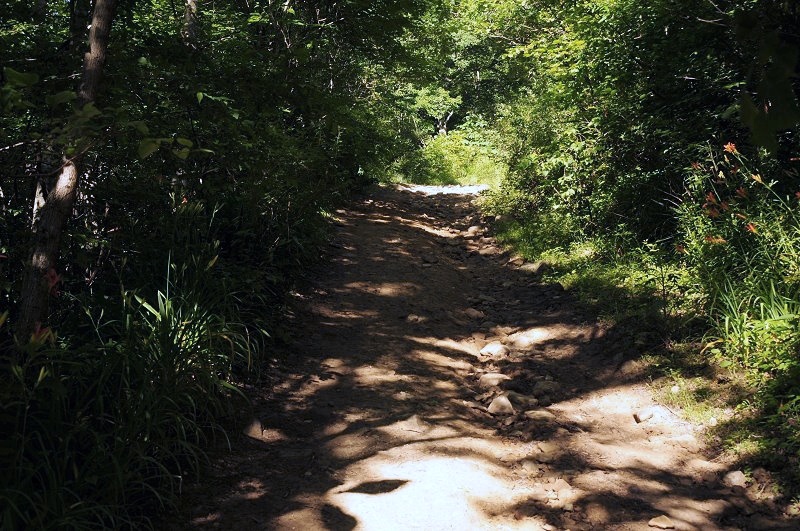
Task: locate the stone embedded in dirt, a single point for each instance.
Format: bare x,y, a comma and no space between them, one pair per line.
522,401
430,259
562,489
528,338
412,318
662,522
735,478
545,387
540,415
492,379
516,260
643,415
532,467
473,313
472,232
254,429
501,405
494,349
549,452
536,268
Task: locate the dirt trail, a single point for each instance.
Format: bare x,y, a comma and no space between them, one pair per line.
381,423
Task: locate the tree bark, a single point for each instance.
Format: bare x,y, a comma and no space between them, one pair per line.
190,24
41,273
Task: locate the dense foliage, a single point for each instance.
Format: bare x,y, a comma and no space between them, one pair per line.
220,136
660,139
663,133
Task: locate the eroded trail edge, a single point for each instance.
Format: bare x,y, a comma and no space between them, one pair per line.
435,383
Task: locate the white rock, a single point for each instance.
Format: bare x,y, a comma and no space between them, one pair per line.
494,349
254,430
501,405
643,415
492,379
549,451
528,338
662,522
735,478
541,415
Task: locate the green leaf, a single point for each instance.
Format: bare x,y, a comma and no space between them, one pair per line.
184,142
182,153
200,97
61,97
147,147
19,79
140,126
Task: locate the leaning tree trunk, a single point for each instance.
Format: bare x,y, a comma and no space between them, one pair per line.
41,273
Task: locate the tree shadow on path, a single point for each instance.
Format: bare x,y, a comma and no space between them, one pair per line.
376,419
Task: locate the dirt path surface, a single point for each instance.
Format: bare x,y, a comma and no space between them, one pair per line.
436,384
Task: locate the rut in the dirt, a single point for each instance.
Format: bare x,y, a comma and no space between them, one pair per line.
434,383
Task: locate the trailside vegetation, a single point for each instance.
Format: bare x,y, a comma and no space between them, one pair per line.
650,152
166,169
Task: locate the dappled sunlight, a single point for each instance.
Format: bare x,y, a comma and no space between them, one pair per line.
386,289
386,423
448,345
429,489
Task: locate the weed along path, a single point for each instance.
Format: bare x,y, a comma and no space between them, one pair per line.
433,382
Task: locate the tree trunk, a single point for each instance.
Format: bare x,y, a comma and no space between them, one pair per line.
48,225
190,24
441,123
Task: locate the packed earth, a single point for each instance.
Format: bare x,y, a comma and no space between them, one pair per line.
433,381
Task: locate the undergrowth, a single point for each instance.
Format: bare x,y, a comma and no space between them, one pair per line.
454,158
110,411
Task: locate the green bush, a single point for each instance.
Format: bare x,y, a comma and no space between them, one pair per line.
450,159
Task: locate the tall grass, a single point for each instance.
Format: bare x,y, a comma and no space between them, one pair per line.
106,431
104,425
741,235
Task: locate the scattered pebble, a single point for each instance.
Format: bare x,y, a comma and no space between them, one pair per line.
254,429
643,415
736,478
492,379
662,522
501,405
494,349
540,415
